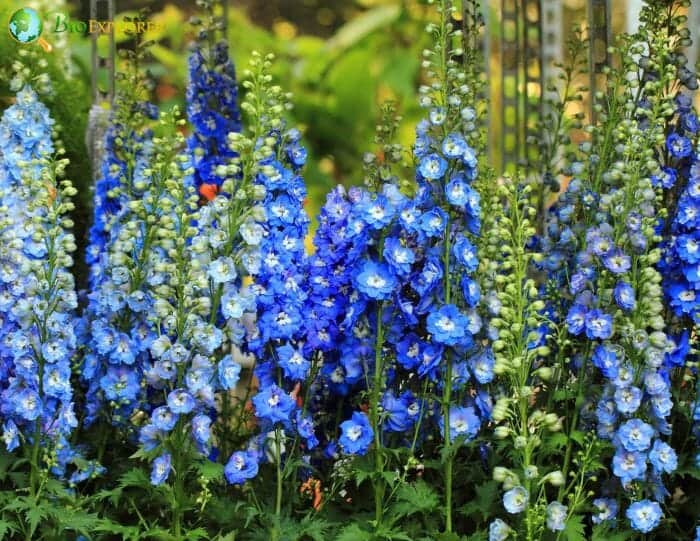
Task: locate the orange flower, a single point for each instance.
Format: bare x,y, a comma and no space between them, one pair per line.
295,395
312,487
208,191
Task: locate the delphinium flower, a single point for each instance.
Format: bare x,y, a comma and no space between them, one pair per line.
448,225
37,292
126,151
393,279
212,104
197,306
606,242
521,417
119,255
679,183
271,159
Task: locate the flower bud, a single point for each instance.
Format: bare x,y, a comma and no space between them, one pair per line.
555,478
501,432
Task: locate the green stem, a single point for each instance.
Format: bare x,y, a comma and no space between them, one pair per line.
278,496
378,483
574,422
447,392
179,488
34,465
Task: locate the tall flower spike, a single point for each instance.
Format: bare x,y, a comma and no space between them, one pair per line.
37,293
272,159
127,149
25,138
212,108
119,253
605,238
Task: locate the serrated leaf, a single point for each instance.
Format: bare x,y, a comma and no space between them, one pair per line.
604,533
557,440
78,521
574,530
353,532
314,527
35,515
6,528
483,501
414,498
135,477
211,471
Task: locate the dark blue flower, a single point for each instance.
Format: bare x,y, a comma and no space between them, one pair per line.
464,423
678,145
241,466
356,434
448,325
273,404
375,280
576,319
598,324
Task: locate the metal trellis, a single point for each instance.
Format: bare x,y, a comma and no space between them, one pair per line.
600,38
102,82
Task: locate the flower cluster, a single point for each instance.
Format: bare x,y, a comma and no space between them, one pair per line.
212,109
602,246
681,175
394,298
37,297
278,267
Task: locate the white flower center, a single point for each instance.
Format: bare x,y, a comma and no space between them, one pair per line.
376,281
354,433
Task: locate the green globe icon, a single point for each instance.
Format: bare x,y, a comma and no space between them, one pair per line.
25,25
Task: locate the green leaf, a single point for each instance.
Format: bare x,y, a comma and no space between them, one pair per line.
604,533
359,27
211,471
135,477
314,527
196,534
578,436
444,536
574,530
353,532
77,521
557,440
413,498
5,528
483,502
35,515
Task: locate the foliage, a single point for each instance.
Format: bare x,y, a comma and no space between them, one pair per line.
456,356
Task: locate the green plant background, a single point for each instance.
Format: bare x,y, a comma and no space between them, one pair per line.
340,58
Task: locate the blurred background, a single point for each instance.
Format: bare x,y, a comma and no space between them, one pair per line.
340,58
